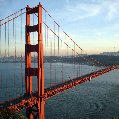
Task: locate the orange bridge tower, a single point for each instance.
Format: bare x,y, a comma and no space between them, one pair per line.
34,111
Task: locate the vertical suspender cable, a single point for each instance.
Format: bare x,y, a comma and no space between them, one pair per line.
58,40
77,63
47,36
5,90
0,38
5,40
67,53
5,58
62,62
0,54
54,54
14,38
58,46
45,30
14,66
15,52
13,28
13,31
51,64
1,82
74,59
8,54
8,37
54,39
8,51
21,55
80,65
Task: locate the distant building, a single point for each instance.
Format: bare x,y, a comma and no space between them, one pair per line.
110,53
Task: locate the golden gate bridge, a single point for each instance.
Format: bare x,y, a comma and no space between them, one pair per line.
34,49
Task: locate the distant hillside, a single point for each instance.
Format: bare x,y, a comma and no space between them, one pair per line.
110,53
86,59
107,60
104,59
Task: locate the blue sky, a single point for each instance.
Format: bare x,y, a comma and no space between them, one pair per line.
93,24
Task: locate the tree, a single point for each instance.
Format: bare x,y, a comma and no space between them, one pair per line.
10,114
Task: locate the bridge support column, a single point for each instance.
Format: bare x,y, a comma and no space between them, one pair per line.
41,66
36,110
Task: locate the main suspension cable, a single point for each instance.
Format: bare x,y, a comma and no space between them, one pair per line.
13,14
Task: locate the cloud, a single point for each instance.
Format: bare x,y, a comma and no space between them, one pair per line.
111,6
82,11
79,10
74,11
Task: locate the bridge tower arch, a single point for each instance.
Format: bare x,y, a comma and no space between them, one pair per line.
34,111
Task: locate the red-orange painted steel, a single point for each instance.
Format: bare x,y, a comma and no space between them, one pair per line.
28,79
40,66
39,71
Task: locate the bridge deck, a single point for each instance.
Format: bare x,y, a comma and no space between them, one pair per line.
26,101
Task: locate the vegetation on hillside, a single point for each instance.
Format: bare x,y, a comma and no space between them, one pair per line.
86,59
10,114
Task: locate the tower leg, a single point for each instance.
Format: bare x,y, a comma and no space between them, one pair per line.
41,112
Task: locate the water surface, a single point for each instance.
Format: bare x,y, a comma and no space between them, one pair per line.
95,99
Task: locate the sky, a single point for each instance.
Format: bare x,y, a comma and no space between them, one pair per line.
92,24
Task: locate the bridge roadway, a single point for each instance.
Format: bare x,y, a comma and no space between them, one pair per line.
26,100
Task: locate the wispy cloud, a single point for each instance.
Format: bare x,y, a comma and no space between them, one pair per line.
112,8
82,11
78,11
74,11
